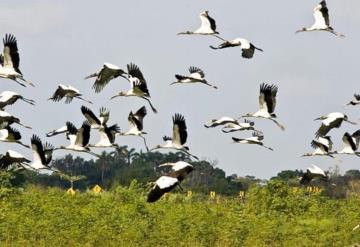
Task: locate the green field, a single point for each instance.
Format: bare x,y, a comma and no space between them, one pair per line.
271,215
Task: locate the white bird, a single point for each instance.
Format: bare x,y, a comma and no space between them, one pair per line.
322,20
267,104
179,136
322,146
138,85
162,185
10,61
312,173
42,155
330,121
61,130
11,159
136,124
9,98
220,121
107,137
9,134
79,139
96,122
256,138
232,127
247,48
355,101
69,92
179,169
7,119
105,75
208,26
350,144
197,75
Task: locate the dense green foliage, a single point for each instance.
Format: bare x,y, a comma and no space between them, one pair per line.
271,215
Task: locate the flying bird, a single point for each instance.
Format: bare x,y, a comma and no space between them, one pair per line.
313,172
9,98
267,104
355,101
61,130
138,85
322,20
79,139
42,155
9,134
232,127
179,169
107,136
350,144
136,124
96,122
196,76
11,159
10,61
69,92
322,146
208,26
257,138
220,121
179,136
330,121
247,48
105,75
162,185
6,119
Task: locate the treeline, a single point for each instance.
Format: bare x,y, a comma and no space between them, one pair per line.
123,165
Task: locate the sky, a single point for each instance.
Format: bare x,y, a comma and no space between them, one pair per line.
317,73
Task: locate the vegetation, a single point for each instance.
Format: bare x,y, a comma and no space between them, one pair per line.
36,210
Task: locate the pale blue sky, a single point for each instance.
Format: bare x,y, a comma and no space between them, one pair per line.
63,41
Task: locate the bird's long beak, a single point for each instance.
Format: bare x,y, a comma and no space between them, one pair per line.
173,83
114,96
30,101
350,122
319,118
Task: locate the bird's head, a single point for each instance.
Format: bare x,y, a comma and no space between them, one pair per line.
301,30
205,13
273,115
320,118
175,82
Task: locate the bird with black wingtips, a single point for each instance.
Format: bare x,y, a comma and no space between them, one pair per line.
9,134
220,121
267,104
331,121
42,155
79,139
322,147
64,129
179,136
179,169
232,127
96,122
107,73
257,139
69,92
10,61
107,137
322,20
12,159
10,97
161,186
138,85
208,26
355,101
136,123
6,119
247,48
350,144
313,172
197,75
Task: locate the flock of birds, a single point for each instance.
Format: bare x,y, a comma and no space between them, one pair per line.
79,137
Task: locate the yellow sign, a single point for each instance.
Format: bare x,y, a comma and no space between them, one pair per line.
313,189
242,194
212,194
189,193
97,189
71,191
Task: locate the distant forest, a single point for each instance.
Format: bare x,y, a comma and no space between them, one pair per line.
123,165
